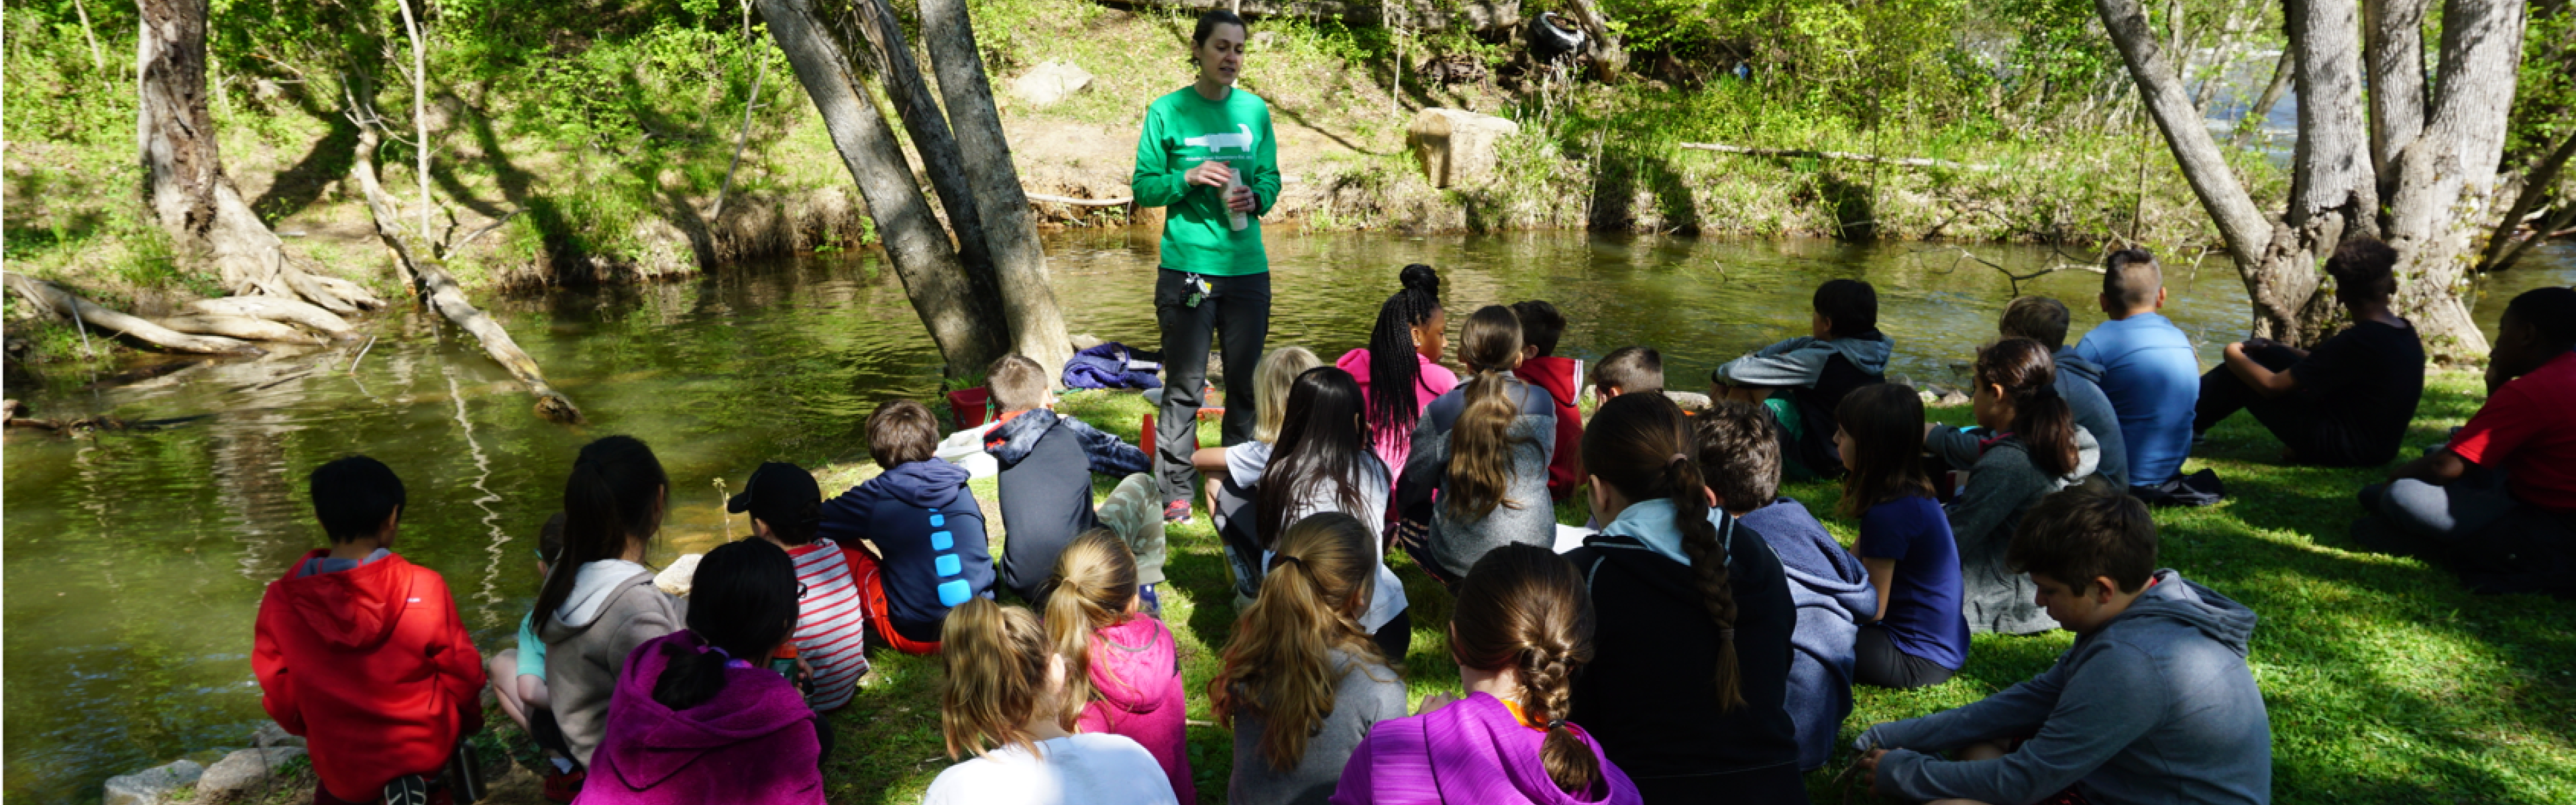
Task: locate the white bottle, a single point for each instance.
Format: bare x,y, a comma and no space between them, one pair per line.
1233,182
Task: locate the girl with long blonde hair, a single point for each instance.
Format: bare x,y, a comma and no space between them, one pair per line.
1003,701
1122,669
1302,680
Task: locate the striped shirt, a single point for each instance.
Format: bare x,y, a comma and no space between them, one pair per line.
831,626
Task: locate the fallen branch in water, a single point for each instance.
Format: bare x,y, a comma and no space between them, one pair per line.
2016,279
242,327
275,309
1911,162
60,301
1081,202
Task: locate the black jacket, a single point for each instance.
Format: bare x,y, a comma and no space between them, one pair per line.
1650,694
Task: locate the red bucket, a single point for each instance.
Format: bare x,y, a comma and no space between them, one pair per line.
970,406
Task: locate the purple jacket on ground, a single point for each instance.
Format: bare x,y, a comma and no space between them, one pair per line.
753,743
1136,667
1470,751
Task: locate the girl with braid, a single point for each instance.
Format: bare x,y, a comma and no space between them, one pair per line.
1522,628
1688,686
1403,353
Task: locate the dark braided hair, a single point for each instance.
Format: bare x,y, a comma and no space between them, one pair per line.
1641,445
1394,372
1524,608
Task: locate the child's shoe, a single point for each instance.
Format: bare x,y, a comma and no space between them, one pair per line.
409,789
1177,511
1149,603
565,784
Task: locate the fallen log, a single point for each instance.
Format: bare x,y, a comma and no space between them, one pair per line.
1911,162
242,327
1081,202
440,290
61,301
276,309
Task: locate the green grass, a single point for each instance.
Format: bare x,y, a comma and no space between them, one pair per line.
2386,681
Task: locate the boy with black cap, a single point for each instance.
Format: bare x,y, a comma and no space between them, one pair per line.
786,508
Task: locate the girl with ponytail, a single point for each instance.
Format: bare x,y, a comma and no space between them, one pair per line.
1484,449
599,603
1688,688
1403,353
2028,445
1302,681
1003,700
698,717
1522,628
1122,670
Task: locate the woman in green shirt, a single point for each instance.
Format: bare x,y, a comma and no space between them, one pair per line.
1207,155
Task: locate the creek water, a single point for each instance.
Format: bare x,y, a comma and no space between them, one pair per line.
135,561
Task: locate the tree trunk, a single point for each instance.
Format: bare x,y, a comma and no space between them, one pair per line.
2537,186
1009,231
46,296
2446,177
970,331
2261,112
184,184
1608,58
931,139
420,119
2393,32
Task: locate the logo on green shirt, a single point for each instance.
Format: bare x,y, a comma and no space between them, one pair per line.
1216,144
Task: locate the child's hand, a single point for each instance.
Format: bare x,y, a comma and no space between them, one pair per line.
1869,768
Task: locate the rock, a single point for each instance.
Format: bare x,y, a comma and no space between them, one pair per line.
270,734
1457,147
243,773
1689,400
152,786
1049,83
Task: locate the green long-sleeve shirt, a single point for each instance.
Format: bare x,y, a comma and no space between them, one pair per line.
1182,130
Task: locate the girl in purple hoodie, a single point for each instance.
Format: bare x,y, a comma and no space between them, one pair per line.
694,719
1122,670
1522,627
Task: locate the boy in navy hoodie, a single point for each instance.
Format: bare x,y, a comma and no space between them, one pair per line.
2153,704
1541,325
1801,380
1046,465
913,536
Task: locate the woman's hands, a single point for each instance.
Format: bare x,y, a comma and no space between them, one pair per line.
1216,174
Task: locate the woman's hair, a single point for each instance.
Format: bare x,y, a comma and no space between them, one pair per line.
997,658
614,499
1524,608
1885,423
1394,368
2043,420
1208,21
1641,445
1094,579
1318,455
742,601
1277,664
1481,444
1270,382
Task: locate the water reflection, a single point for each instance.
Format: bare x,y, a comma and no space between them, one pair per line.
135,561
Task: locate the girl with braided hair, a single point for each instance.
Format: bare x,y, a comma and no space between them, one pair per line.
2027,445
1522,628
1403,353
1688,690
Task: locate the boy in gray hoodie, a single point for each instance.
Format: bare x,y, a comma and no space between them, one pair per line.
2153,704
1802,380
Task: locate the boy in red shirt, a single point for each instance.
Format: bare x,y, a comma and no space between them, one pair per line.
361,652
2498,504
1541,326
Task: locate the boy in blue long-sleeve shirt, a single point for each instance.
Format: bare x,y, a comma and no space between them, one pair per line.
2148,370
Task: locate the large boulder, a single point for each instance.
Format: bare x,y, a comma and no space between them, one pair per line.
1049,83
1457,147
243,773
152,786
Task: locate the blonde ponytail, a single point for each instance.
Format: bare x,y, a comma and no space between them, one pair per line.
1094,579
1279,662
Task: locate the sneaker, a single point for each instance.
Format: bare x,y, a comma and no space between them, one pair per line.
1177,511
563,786
1148,602
409,789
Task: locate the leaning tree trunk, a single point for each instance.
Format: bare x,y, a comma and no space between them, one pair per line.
184,183
2446,176
970,330
931,138
2393,33
1037,326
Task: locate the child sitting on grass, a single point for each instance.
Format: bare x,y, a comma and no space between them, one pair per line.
2153,703
1481,452
2042,319
1235,471
1915,636
1740,459
1323,465
1303,681
1122,672
1003,700
361,652
2151,376
1046,465
1541,326
1403,352
600,602
831,627
518,677
2029,447
913,535
1802,380
2345,404
699,716
1627,370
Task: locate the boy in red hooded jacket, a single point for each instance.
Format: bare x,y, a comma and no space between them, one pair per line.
362,653
1563,379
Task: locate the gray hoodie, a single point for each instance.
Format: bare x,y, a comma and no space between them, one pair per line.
2002,483
1457,544
2156,707
1797,362
614,607
2079,381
